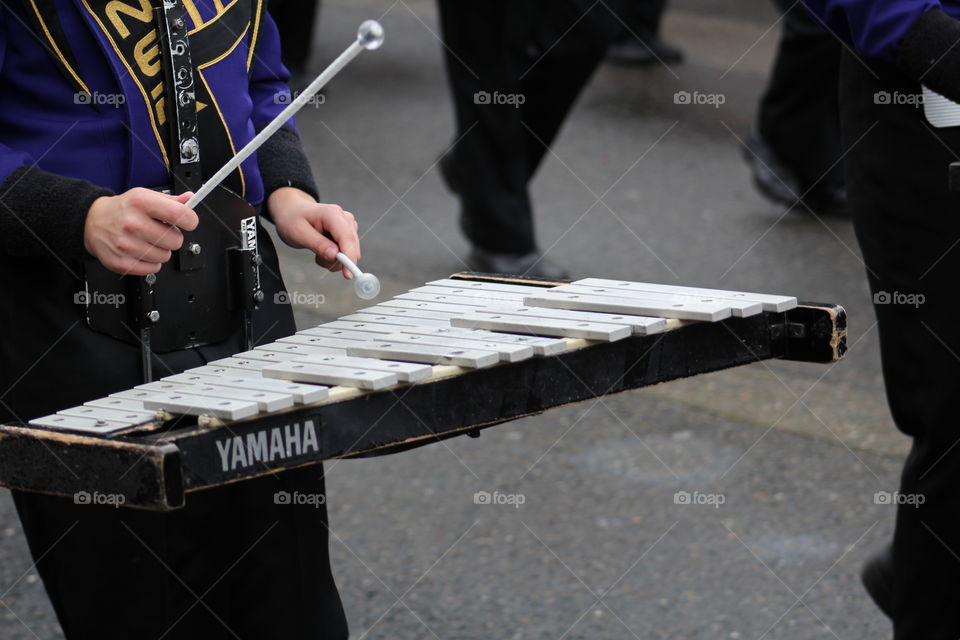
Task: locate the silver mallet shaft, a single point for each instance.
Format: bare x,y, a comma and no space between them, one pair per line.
369,36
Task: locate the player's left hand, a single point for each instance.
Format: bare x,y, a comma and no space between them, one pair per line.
303,223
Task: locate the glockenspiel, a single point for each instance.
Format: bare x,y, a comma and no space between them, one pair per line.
451,357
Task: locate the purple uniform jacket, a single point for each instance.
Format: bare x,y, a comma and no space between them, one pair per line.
876,28
113,142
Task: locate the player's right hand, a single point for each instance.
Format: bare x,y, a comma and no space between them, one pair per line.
135,232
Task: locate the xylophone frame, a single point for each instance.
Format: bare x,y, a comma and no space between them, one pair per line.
155,468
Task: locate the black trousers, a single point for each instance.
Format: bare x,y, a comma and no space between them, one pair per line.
295,21
230,564
798,114
515,69
907,223
641,17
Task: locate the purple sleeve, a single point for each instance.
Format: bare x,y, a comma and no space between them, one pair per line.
10,159
268,77
875,28
41,214
281,160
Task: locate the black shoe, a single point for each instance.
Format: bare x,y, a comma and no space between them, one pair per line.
877,577
527,264
643,50
827,199
448,174
779,183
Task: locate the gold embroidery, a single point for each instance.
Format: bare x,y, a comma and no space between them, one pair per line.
115,8
143,92
194,13
148,59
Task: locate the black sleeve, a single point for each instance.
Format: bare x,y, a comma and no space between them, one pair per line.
930,53
43,214
283,163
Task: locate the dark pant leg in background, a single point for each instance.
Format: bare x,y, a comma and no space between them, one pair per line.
642,17
907,224
798,115
506,48
295,20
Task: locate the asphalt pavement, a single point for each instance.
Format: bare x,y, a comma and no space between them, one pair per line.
734,505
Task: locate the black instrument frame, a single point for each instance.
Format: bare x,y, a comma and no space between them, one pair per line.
154,467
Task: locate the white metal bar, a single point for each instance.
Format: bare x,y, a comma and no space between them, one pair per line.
541,346
114,415
121,404
269,356
300,349
467,301
325,374
476,294
470,358
710,312
507,352
739,308
339,344
366,327
266,400
342,334
769,302
302,393
405,371
642,325
238,363
421,312
211,370
85,425
193,405
545,326
397,320
433,307
476,285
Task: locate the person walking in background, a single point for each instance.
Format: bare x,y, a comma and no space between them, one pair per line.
296,20
907,222
515,69
640,43
794,149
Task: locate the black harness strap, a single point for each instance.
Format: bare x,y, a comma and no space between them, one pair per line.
181,97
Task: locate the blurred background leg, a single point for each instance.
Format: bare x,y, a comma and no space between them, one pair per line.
296,20
794,147
641,43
